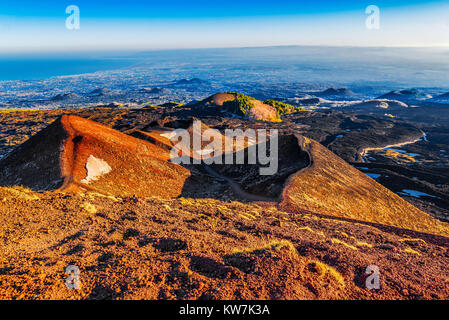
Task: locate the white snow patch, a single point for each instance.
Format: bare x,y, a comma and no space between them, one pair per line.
95,169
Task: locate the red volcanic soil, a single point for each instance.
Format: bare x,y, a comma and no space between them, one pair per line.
151,248
57,158
262,111
118,216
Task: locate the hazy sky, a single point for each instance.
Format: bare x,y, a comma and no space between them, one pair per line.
117,24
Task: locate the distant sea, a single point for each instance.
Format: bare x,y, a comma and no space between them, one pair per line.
35,67
357,68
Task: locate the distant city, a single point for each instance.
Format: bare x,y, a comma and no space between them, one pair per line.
156,77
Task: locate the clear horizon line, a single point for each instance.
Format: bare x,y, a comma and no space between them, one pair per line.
88,49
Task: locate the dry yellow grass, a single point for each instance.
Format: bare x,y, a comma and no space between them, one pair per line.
410,250
247,216
347,245
21,193
399,156
363,244
307,228
167,207
89,207
412,240
325,269
275,245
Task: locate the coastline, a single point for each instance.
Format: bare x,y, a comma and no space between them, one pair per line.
32,69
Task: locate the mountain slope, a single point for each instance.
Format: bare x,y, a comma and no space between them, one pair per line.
75,154
331,186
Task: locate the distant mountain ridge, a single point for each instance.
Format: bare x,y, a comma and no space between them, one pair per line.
337,92
406,95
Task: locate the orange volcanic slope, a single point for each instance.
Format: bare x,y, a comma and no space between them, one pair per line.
218,99
75,154
331,186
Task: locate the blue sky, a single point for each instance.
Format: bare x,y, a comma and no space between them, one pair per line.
117,24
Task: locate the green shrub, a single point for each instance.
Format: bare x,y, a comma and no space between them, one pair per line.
240,105
283,108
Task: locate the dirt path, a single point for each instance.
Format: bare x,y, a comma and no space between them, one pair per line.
236,187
